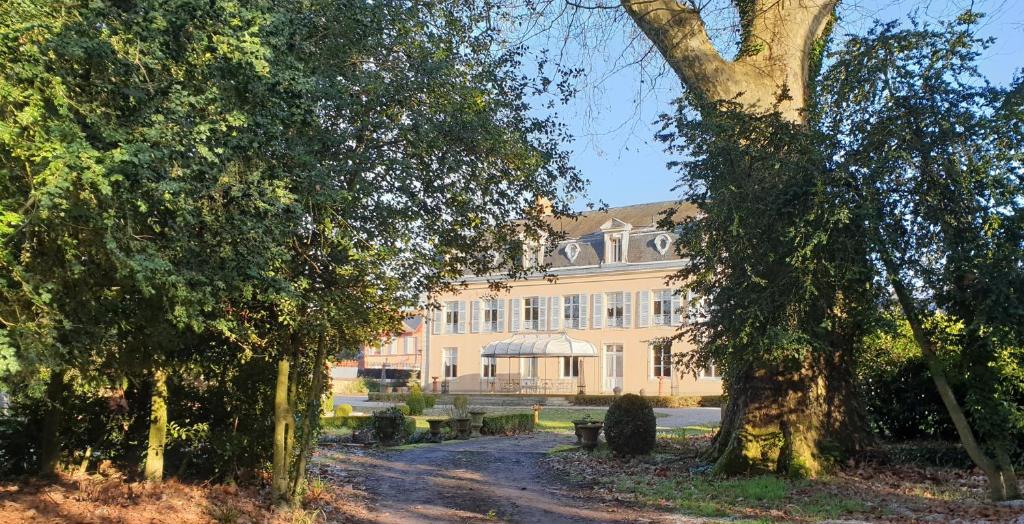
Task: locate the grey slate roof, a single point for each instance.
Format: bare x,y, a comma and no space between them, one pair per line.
585,231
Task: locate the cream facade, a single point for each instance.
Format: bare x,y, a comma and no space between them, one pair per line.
610,290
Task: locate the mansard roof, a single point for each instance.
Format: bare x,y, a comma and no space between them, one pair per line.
587,234
638,215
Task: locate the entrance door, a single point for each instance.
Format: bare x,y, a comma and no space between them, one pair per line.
612,367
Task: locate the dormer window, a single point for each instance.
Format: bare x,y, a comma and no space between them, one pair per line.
615,250
572,251
661,243
616,241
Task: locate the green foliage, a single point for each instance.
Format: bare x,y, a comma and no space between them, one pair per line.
416,402
208,187
353,422
891,372
630,426
389,424
404,409
342,410
778,266
934,151
507,424
429,400
460,406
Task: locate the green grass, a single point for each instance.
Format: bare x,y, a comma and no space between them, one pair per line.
710,497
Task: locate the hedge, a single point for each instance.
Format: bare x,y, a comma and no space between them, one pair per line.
353,422
706,401
508,424
428,399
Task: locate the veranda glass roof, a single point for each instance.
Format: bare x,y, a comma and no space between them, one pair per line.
540,345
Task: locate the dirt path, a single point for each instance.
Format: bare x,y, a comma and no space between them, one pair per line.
485,479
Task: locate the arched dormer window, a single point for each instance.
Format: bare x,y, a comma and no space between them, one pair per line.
661,243
572,250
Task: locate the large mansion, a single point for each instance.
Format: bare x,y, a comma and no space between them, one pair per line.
596,329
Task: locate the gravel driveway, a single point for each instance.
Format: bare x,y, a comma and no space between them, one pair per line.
485,479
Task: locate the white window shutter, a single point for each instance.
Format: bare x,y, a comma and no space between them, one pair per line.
675,309
584,310
462,316
599,312
517,314
650,360
643,309
501,315
438,320
474,325
556,314
627,309
542,313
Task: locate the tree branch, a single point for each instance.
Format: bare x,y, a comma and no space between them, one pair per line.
678,32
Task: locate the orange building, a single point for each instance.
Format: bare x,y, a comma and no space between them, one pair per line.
598,328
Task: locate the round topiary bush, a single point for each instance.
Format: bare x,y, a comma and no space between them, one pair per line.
630,426
342,410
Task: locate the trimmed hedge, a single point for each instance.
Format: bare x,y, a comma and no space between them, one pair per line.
429,401
353,422
508,424
630,427
706,401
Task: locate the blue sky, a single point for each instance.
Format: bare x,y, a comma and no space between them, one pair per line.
613,122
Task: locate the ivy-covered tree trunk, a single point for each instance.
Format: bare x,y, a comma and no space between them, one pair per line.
283,421
49,437
790,422
154,470
776,420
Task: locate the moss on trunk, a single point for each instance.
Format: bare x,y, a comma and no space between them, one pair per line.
794,423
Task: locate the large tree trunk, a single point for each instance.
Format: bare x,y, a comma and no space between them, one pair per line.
154,470
785,421
49,437
780,49
790,422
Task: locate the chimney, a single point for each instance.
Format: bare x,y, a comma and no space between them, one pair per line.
544,205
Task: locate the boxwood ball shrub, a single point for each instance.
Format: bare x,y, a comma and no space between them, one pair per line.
630,426
342,410
415,402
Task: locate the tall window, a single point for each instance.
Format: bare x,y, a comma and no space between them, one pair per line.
451,317
711,371
662,359
392,347
490,367
615,311
570,367
410,345
451,362
490,324
615,250
531,313
530,367
572,311
663,307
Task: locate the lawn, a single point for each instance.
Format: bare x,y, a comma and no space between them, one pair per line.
675,478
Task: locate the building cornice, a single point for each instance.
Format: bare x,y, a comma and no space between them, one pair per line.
595,269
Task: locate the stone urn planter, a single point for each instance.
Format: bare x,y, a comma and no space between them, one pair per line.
388,426
462,427
589,433
436,424
576,427
476,421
